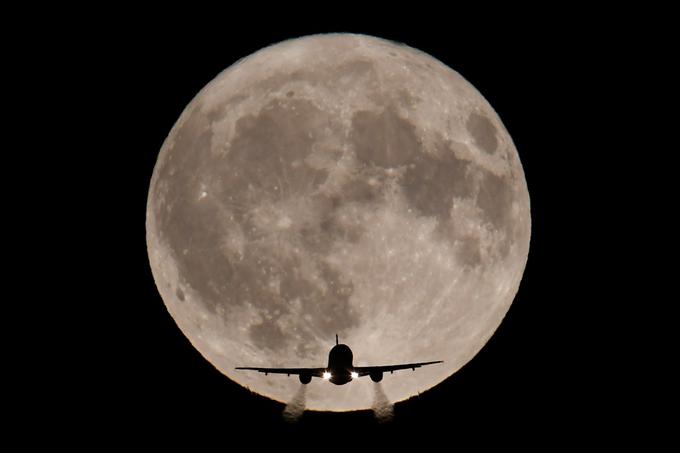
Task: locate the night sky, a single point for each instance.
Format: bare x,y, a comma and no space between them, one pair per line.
130,372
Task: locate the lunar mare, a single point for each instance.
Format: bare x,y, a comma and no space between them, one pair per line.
338,184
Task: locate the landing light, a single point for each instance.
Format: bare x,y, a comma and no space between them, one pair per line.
355,375
326,375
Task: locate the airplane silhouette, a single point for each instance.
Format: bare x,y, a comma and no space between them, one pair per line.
340,369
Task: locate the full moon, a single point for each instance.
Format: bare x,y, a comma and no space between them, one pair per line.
341,184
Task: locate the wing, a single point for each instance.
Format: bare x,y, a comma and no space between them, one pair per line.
316,372
366,370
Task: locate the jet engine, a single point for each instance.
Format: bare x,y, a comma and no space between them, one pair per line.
305,378
376,376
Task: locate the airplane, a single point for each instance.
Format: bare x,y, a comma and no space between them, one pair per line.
340,369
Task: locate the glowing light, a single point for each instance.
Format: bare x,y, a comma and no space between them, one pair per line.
326,375
355,375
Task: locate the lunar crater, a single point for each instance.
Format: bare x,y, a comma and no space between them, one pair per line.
483,132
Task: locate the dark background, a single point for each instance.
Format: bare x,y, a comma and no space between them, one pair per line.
128,373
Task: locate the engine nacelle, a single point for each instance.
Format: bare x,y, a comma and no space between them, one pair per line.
305,378
376,376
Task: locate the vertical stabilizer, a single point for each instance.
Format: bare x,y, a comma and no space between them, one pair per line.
336,338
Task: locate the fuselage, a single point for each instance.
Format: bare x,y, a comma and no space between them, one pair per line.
340,364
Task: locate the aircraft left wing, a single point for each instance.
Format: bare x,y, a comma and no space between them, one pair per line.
366,370
316,372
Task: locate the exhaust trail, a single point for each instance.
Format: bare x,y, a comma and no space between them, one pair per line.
383,410
294,409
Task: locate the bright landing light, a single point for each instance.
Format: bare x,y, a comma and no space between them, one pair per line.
326,375
355,375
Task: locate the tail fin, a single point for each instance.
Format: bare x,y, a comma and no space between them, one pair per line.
336,338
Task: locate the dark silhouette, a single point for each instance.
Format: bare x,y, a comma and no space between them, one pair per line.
340,369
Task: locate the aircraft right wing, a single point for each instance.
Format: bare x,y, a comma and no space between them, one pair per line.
316,372
366,370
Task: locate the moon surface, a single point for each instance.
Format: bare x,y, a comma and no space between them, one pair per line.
338,184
